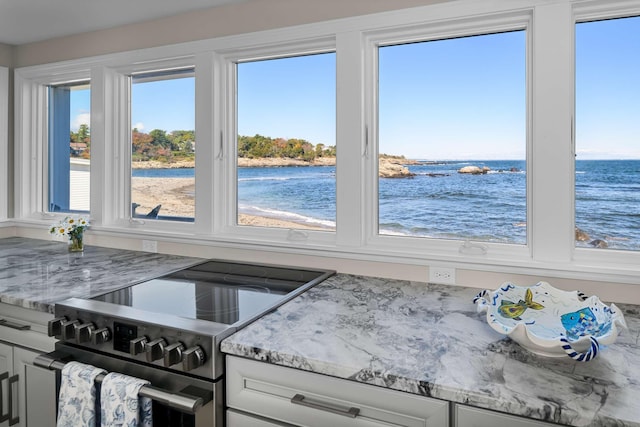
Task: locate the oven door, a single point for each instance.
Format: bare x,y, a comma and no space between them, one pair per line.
179,400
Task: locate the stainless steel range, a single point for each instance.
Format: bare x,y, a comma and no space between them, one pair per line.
168,330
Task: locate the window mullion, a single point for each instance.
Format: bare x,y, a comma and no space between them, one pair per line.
205,127
31,113
551,148
223,149
4,164
350,128
111,157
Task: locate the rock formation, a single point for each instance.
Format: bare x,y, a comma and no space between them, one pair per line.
474,170
391,169
582,236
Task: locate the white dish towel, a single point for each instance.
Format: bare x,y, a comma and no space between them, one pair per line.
77,398
120,404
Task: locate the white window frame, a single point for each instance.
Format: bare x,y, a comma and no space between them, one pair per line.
31,151
4,147
433,31
120,174
550,249
625,261
227,148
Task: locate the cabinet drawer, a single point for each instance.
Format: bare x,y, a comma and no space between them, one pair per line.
473,417
307,399
240,419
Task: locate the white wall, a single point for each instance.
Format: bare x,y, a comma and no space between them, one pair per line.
6,55
225,20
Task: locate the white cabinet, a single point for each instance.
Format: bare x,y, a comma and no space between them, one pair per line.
27,392
261,394
36,390
8,409
466,416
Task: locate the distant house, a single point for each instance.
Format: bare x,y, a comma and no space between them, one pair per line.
77,148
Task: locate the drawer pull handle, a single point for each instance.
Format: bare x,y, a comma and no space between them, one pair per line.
299,399
14,325
12,421
4,417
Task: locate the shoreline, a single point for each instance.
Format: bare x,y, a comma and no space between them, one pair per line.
242,163
388,167
177,198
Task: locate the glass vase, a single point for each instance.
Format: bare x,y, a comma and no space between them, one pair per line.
76,244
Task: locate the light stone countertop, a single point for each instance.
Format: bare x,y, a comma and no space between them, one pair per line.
429,340
408,336
36,274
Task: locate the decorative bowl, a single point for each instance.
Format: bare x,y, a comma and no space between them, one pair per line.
551,322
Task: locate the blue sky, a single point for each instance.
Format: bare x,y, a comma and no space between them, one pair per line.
289,98
607,81
165,104
450,99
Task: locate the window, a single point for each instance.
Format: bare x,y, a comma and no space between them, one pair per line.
607,193
69,147
409,98
452,138
163,145
286,142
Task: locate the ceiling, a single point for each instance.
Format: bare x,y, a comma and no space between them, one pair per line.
28,21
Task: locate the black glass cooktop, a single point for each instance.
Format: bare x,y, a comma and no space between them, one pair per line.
218,291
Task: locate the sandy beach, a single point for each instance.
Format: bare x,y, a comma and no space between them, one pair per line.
176,195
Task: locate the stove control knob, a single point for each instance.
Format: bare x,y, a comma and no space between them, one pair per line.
83,332
155,349
192,358
100,336
69,329
54,326
173,354
138,345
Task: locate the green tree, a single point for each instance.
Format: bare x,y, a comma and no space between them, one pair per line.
84,134
182,140
259,146
159,138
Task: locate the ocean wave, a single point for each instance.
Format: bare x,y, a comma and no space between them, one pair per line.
267,178
505,171
285,216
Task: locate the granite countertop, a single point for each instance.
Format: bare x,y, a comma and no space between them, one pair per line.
429,340
35,274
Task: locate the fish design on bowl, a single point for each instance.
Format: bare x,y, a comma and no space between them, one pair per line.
551,322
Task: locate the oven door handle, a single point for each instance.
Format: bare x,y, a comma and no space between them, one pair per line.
183,402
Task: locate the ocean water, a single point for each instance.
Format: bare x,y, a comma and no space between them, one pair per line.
608,201
441,203
300,194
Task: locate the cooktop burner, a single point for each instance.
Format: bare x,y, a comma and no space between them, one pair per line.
178,320
216,291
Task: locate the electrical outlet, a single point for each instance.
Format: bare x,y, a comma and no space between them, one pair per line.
442,275
150,246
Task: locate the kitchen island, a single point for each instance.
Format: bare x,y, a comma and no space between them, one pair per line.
429,340
35,274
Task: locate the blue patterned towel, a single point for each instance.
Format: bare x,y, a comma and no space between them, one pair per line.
120,403
77,399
